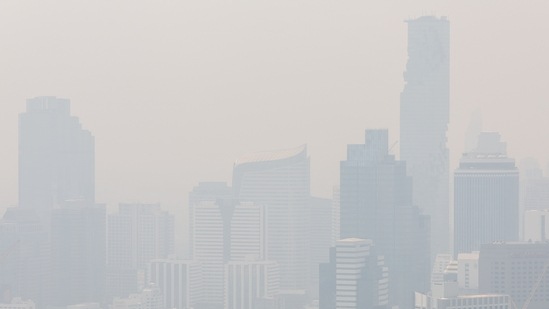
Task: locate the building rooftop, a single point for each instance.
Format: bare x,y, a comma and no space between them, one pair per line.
271,155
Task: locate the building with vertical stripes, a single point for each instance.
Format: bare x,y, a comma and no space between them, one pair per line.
180,281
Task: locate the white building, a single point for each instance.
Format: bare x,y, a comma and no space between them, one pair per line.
179,280
251,284
441,262
445,294
247,228
209,248
85,306
350,276
468,272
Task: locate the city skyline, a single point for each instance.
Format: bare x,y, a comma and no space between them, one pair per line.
148,109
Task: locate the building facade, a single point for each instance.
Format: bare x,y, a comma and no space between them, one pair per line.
486,196
376,203
280,181
424,118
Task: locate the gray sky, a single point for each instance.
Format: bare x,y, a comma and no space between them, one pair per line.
175,91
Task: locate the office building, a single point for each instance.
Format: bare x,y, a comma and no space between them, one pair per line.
376,203
56,156
137,234
517,269
180,281
356,277
280,181
424,118
486,196
320,235
251,284
78,245
24,256
445,294
335,216
468,272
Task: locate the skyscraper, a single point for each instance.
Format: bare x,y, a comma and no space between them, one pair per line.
356,277
280,181
56,156
486,196
424,118
137,234
78,245
376,203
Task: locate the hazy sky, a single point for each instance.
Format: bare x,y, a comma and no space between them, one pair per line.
175,91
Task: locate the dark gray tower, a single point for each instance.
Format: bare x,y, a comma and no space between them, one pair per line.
376,204
56,156
424,117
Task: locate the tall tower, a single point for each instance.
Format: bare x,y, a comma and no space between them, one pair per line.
137,234
424,117
280,181
486,196
376,204
56,156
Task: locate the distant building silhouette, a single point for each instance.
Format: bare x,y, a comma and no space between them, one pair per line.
137,234
78,253
56,156
356,277
376,204
486,196
280,181
424,118
179,280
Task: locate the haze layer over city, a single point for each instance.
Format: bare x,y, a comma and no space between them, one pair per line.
172,101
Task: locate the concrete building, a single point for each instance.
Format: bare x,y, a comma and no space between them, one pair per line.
179,280
150,297
468,272
320,236
486,196
356,277
24,255
280,181
445,295
78,245
56,156
376,203
137,234
517,269
424,118
251,284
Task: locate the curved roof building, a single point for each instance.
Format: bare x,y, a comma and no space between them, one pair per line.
280,181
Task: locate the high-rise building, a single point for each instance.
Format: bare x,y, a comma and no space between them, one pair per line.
336,209
468,272
376,203
486,196
24,256
179,280
78,245
424,118
251,284
211,235
56,156
280,181
320,236
517,269
137,234
356,277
